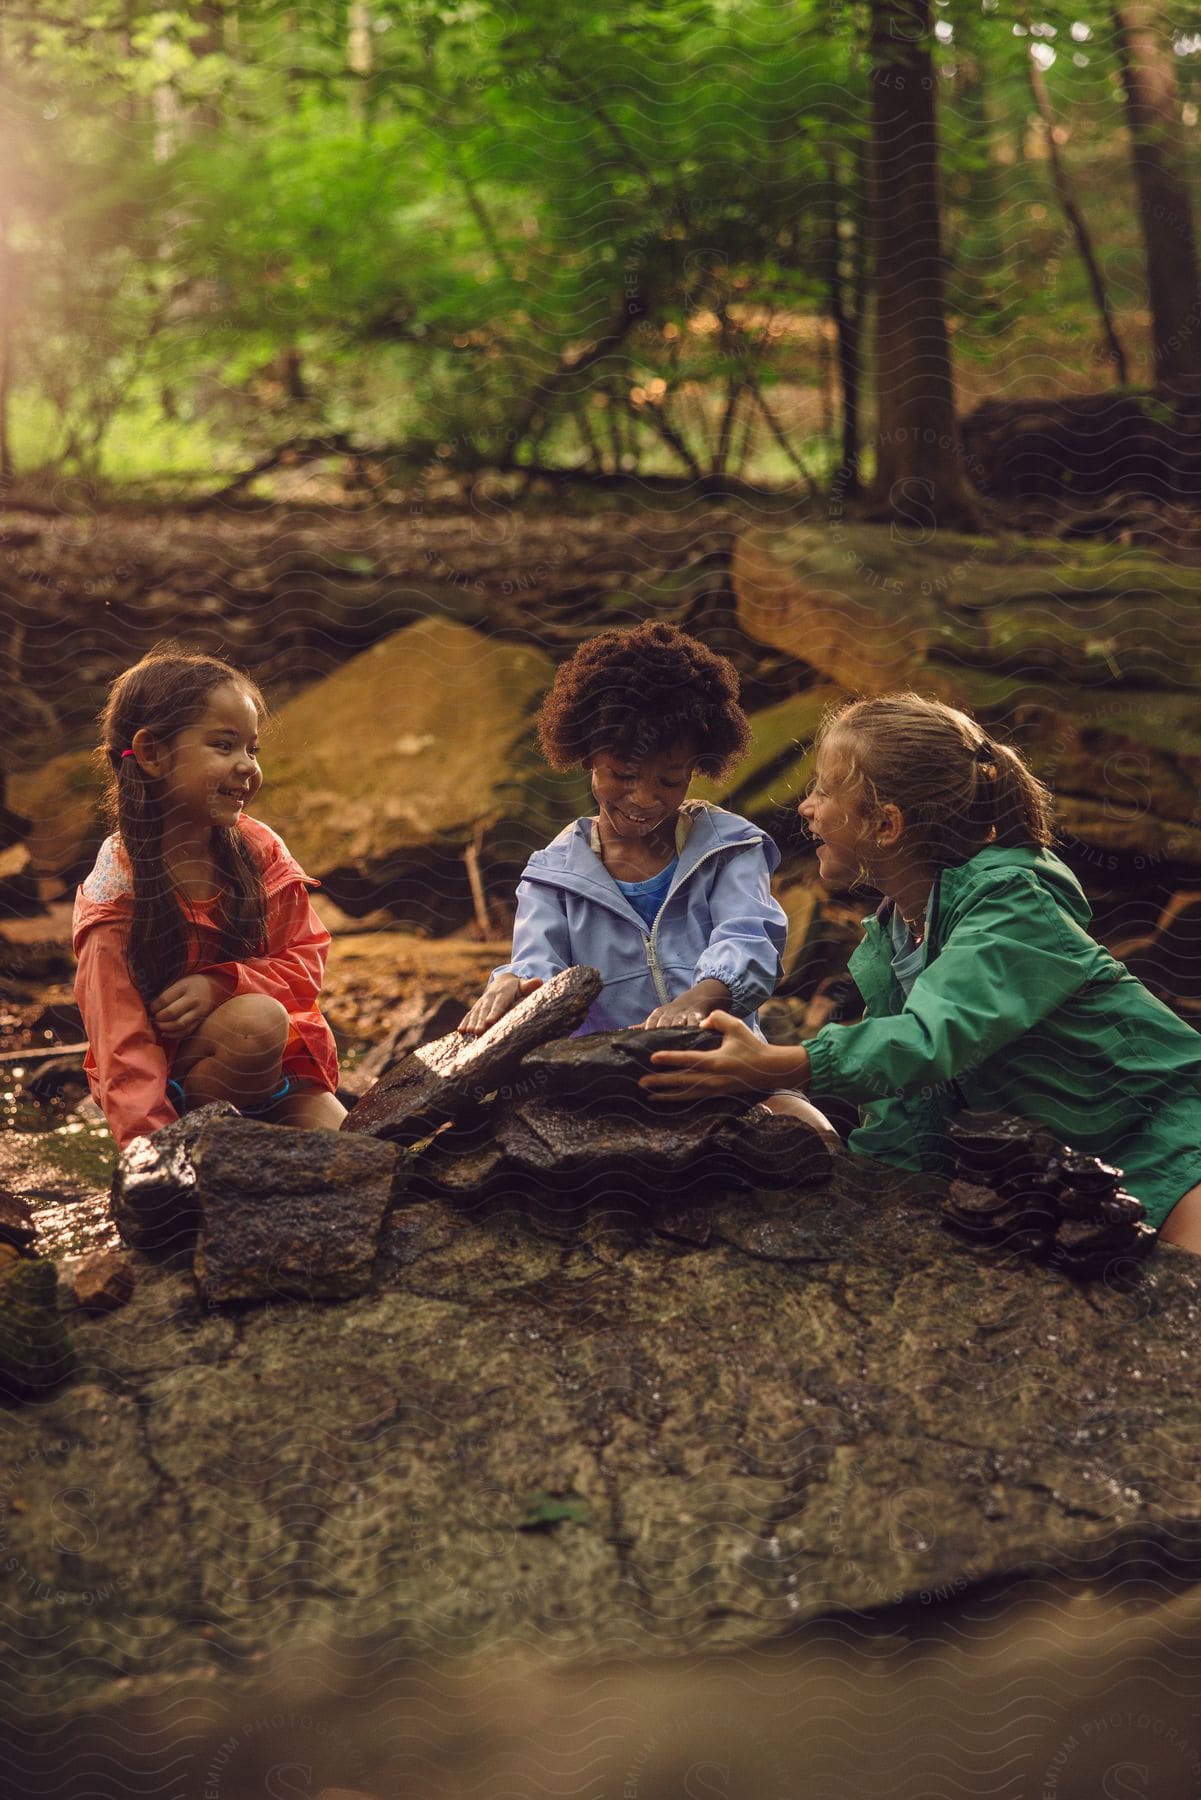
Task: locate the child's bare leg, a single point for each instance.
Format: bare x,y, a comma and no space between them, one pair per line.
1183,1224
794,1106
313,1108
237,1054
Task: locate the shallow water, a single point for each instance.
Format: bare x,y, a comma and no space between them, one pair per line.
61,1164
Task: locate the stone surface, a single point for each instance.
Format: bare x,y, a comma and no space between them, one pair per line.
452,1077
101,1280
17,1225
846,1406
154,1183
36,1354
649,1149
604,1068
285,1212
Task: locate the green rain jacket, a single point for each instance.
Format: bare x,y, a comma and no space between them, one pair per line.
1019,1009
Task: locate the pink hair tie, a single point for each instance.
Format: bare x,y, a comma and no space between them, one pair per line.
125,753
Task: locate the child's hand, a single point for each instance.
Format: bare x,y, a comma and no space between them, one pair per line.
691,1007
743,1065
496,1000
183,1006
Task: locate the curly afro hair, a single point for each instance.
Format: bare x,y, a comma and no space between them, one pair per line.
639,691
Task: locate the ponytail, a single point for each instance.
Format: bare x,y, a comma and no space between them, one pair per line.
956,789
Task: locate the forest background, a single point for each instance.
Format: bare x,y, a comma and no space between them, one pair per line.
632,239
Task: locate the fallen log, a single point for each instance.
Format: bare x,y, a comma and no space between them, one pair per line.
1088,445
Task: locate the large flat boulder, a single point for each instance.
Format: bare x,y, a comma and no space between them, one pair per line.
635,1444
382,775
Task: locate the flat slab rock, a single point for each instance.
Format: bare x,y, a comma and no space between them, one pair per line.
642,1143
287,1212
454,1075
617,1444
605,1067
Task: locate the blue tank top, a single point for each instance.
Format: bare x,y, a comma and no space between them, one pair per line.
646,897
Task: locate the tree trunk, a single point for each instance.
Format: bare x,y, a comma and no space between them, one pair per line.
359,58
6,354
844,298
1075,220
921,477
1153,116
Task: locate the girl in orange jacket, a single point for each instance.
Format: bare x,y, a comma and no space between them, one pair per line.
200,955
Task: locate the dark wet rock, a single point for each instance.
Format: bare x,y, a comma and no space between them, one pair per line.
17,1225
1019,1189
604,1068
639,1146
60,1078
459,1166
288,1212
690,1224
622,1146
758,1428
154,1183
101,1280
36,1354
453,1077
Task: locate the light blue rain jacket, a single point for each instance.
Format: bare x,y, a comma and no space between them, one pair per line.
718,922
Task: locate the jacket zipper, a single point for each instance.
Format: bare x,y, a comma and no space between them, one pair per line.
652,943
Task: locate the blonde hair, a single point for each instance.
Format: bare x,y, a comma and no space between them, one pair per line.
956,789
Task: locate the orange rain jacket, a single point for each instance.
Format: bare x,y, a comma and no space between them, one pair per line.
127,1063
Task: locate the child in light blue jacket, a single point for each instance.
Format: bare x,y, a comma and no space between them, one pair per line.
669,898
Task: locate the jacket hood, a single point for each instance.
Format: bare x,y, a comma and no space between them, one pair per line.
571,854
965,880
993,861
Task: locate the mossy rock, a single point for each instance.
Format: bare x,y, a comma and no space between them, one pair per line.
874,612
35,1351
1087,659
775,773
416,746
62,799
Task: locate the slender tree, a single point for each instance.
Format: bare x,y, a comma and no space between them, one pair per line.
1066,195
1165,211
920,472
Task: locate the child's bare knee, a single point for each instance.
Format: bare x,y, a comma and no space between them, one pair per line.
252,1025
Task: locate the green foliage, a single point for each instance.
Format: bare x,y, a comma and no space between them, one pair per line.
506,230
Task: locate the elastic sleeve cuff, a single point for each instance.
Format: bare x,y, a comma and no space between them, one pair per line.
823,1073
741,1000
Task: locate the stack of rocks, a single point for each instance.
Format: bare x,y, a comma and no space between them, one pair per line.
526,1110
523,1113
1017,1187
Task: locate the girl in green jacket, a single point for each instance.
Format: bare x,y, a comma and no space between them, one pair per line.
982,985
